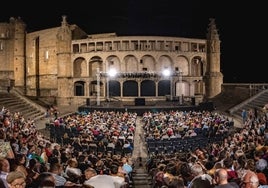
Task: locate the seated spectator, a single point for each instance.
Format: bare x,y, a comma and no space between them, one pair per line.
119,181
126,166
4,170
98,180
255,182
111,143
228,165
44,180
101,168
16,179
121,171
170,178
127,146
197,171
261,166
89,172
55,153
56,170
200,182
19,164
221,179
130,137
164,136
73,173
216,166
159,175
249,171
32,171
83,163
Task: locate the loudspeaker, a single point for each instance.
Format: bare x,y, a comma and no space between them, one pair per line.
139,101
207,105
193,101
88,101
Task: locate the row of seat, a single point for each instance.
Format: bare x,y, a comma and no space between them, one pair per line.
180,144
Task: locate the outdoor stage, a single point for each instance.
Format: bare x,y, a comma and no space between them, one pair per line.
140,109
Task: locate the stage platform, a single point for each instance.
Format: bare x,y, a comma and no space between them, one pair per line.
140,109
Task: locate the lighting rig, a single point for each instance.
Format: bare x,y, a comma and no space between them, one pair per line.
137,74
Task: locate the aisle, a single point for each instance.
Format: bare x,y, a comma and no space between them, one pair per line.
140,149
141,178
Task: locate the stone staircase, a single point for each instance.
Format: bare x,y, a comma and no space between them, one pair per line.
257,102
141,178
15,102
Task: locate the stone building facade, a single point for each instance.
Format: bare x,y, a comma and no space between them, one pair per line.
66,65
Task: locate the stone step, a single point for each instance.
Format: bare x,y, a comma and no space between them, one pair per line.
141,183
145,175
141,179
141,176
142,186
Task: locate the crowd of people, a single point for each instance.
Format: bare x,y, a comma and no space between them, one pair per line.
94,149
238,160
87,157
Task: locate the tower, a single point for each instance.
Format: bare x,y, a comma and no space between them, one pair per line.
12,53
213,77
64,39
19,52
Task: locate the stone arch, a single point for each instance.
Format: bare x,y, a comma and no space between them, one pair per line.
114,88
130,64
163,87
130,88
197,66
147,88
113,62
147,63
164,62
93,87
79,88
79,67
94,63
182,89
181,64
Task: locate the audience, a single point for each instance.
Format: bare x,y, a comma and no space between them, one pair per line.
89,149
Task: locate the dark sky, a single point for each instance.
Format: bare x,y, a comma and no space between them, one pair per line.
242,26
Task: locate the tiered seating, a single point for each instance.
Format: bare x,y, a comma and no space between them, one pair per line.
174,145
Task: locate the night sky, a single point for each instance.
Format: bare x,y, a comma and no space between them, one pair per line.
241,26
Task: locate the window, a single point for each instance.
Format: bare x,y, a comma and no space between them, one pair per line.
1,45
46,55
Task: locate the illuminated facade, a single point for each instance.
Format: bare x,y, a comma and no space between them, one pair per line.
67,65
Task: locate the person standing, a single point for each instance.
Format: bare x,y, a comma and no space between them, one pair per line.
244,115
